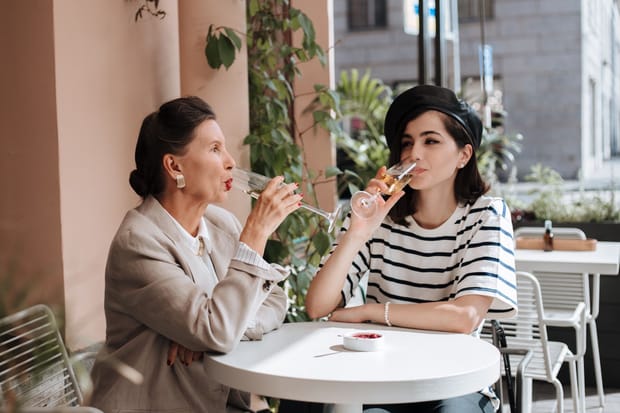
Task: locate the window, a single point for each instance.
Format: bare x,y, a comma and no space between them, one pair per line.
366,14
469,10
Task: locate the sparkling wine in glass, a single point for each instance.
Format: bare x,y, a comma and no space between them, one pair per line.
364,204
253,184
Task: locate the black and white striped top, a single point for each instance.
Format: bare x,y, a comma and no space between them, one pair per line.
471,253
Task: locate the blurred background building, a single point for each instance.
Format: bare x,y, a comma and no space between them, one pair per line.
553,65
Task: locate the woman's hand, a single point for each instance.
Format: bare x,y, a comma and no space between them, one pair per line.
375,186
186,356
274,204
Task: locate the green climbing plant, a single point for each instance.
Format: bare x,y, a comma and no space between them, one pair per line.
276,141
364,101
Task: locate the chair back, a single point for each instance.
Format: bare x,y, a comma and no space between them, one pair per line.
35,370
527,330
560,291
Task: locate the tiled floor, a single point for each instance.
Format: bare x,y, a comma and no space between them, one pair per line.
544,400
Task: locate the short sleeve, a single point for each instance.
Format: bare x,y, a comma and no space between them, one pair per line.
488,266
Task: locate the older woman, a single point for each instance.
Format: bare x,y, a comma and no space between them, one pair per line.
183,276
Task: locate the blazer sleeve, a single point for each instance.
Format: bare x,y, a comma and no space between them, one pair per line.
146,279
270,315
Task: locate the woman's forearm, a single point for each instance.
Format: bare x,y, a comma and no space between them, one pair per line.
462,315
324,293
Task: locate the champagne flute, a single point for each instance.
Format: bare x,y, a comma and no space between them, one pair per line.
364,204
253,184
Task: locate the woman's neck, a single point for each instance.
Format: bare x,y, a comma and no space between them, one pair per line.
434,207
185,211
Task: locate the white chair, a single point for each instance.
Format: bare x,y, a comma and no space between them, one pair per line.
35,369
528,331
515,388
561,294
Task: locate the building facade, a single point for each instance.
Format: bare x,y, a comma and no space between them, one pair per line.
554,66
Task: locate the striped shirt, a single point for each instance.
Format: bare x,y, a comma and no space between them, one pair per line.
471,253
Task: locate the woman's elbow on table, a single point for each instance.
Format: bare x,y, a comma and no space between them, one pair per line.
223,347
315,309
471,313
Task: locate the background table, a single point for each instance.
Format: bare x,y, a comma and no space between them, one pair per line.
604,260
306,361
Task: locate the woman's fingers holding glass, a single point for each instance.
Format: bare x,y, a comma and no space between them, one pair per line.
282,192
381,172
388,203
377,184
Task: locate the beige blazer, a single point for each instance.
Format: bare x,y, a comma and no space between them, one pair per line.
151,298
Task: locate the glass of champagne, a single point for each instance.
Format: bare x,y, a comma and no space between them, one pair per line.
364,204
253,184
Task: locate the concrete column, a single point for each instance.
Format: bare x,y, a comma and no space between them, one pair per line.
225,90
319,149
79,79
110,72
30,224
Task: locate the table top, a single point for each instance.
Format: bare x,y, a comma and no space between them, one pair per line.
307,361
604,260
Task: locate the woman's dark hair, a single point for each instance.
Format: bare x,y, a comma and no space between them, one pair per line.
468,185
167,130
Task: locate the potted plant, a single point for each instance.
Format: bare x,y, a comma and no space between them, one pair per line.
597,213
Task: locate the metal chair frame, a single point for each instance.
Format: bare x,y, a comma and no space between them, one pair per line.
561,294
35,368
527,333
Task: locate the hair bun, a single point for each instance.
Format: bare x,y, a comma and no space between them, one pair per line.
138,183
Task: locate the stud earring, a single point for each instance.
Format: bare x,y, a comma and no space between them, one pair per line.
180,181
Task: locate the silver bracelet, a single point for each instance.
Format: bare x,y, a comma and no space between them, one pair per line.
386,313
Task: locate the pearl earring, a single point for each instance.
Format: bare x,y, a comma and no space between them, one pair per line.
180,181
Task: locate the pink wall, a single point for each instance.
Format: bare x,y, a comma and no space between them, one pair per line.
225,90
318,147
30,227
110,72
77,79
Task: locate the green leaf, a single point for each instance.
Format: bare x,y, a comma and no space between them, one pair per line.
253,8
332,171
233,37
322,242
212,53
226,50
275,251
320,116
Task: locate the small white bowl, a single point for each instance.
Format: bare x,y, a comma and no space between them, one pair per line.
363,341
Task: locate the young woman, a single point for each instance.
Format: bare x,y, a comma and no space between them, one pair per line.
439,255
183,276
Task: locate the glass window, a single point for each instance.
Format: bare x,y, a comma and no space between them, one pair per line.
366,14
469,10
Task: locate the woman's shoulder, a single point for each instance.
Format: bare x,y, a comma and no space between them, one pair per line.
493,204
490,201
222,218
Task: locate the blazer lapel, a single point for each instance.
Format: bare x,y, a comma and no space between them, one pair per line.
224,248
191,263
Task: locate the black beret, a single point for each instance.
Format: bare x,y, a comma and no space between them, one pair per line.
426,97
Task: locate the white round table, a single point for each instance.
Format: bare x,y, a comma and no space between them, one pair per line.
307,361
